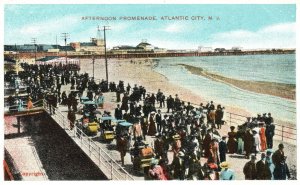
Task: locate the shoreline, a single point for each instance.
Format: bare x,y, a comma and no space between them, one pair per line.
282,90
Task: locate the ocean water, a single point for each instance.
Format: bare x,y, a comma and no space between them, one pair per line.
271,68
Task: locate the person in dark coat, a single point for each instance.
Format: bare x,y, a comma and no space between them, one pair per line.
231,143
248,143
72,118
118,112
125,100
170,103
158,120
179,165
270,132
250,170
281,170
152,125
223,149
206,142
118,94
219,116
263,170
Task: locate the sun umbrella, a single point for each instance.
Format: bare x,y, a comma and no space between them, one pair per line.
125,124
107,118
89,103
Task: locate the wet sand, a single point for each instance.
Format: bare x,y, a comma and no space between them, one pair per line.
271,88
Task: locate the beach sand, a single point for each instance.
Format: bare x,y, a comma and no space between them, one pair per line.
140,71
271,88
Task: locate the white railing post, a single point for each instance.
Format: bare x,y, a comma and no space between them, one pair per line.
230,119
282,132
100,156
89,146
111,169
80,138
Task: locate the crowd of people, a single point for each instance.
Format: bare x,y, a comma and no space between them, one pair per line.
190,131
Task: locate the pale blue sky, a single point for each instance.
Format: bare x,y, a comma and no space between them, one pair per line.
248,26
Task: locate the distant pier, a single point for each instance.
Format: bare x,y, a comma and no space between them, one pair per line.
155,55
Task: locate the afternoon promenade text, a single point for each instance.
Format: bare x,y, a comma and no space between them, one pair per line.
150,18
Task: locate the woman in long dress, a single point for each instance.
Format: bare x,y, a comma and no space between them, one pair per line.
240,140
152,127
256,144
262,135
231,143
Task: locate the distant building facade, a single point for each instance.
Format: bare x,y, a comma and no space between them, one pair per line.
96,46
202,49
143,47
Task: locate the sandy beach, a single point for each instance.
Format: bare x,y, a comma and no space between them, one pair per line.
276,89
140,71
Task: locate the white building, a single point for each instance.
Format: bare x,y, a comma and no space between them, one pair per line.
202,49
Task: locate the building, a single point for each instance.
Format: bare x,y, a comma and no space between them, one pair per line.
202,49
124,49
160,50
220,50
96,46
143,47
236,48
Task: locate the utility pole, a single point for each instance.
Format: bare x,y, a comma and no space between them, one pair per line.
56,46
33,41
104,29
93,66
65,36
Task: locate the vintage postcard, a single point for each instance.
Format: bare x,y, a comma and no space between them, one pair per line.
149,92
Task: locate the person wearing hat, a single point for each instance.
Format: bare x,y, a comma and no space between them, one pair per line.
248,142
270,132
170,103
226,173
29,103
223,149
179,166
158,120
137,129
263,170
256,143
270,162
213,156
159,146
71,117
100,100
152,125
156,172
240,139
176,145
118,112
250,170
281,170
206,141
262,136
122,142
231,143
219,116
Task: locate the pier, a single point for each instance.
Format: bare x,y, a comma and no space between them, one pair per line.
152,54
